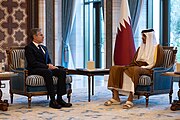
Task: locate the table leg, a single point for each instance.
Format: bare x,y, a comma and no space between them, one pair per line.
0,93
3,104
179,91
89,88
171,91
92,84
176,103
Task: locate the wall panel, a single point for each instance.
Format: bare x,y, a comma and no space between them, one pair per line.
13,24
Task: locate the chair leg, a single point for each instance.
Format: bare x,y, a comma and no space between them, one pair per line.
69,99
11,95
69,91
29,101
69,95
147,99
47,97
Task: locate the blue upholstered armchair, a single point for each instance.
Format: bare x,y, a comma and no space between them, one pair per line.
157,83
24,84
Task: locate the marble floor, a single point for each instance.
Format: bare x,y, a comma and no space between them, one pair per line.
80,81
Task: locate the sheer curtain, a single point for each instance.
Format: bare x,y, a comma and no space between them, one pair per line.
135,7
67,22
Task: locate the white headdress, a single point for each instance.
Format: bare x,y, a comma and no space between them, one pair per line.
147,51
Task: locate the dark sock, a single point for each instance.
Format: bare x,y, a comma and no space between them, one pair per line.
59,97
52,97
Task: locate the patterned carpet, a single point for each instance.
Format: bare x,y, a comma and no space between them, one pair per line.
159,108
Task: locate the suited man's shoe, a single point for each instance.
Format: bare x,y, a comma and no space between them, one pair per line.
63,103
54,104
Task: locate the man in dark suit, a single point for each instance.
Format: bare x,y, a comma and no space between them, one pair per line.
39,63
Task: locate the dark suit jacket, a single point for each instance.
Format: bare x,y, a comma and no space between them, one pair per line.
35,58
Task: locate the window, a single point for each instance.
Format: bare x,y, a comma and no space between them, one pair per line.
83,40
141,25
175,26
93,33
148,20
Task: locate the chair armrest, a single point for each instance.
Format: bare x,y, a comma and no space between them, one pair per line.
60,67
18,83
158,68
21,69
63,68
157,73
161,69
159,81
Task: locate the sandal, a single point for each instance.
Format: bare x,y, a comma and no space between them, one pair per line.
128,105
112,102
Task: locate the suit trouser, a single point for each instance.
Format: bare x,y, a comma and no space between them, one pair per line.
48,78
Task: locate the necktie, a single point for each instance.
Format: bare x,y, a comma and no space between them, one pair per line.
44,53
40,48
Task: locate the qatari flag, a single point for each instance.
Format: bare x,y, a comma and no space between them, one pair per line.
124,49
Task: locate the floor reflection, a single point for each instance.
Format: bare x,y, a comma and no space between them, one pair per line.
80,81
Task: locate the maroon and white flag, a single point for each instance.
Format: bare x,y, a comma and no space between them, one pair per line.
124,49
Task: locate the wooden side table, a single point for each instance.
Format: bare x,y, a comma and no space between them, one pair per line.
4,76
176,103
90,74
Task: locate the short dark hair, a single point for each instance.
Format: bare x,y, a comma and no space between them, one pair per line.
34,31
147,30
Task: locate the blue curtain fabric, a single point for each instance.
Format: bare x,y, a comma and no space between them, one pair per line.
102,4
135,7
67,17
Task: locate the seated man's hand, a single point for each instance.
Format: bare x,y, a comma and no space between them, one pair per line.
51,66
146,67
143,66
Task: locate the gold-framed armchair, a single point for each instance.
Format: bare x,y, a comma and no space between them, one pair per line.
24,84
156,83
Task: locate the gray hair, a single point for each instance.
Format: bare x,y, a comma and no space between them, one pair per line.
34,31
